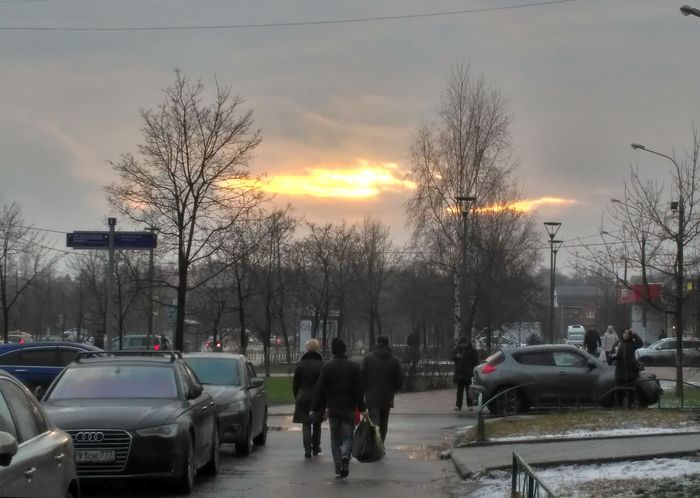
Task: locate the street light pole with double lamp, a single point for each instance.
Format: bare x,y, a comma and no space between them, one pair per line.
464,203
679,270
552,228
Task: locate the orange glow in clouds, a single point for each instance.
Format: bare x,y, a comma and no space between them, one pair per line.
526,205
362,182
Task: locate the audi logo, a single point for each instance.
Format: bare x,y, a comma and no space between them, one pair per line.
89,437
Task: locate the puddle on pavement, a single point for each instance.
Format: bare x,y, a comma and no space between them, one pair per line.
423,452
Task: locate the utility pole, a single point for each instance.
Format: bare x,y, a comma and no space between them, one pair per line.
112,222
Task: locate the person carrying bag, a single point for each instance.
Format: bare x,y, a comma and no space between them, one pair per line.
367,443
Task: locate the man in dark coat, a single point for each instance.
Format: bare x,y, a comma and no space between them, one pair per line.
465,359
591,341
339,390
304,385
383,376
626,366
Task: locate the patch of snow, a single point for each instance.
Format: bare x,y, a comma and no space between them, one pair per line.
565,479
635,431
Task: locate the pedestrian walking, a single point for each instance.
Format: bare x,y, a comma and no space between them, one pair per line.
382,376
339,391
465,359
610,340
591,341
306,376
626,366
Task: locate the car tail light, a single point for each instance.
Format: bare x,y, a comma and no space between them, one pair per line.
488,368
156,347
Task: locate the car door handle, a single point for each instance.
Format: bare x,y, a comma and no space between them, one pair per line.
60,458
28,473
21,370
204,408
562,373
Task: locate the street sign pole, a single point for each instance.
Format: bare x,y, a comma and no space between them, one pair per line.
110,284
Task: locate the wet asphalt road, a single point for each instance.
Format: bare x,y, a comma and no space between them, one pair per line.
411,468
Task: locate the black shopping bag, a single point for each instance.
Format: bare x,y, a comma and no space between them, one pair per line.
367,443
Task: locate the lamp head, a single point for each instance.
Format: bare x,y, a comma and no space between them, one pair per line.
638,146
552,228
556,244
686,10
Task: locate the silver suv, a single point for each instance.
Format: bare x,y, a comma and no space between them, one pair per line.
663,353
551,375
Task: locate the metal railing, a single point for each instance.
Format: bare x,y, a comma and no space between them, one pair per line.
525,483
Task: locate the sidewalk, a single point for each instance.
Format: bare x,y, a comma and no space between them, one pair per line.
437,402
473,461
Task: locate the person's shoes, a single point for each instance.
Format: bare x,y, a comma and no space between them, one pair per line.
471,408
345,468
307,454
317,451
457,408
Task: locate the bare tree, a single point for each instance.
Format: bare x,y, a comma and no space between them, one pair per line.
466,154
188,180
655,235
23,259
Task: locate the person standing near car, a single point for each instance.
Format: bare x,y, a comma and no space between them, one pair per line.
609,342
339,390
465,359
626,366
306,376
592,341
382,376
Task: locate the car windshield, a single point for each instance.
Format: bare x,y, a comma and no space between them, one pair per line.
217,371
116,381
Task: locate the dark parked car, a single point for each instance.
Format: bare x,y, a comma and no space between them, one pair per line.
663,353
239,394
36,364
552,375
36,458
138,414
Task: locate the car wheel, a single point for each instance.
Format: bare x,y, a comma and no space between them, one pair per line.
506,402
261,438
212,466
185,482
243,448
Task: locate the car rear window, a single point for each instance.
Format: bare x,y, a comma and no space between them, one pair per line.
116,381
543,358
217,371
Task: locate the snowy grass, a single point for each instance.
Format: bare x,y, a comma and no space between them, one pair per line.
586,423
660,477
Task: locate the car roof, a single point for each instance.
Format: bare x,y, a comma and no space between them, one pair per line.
12,346
542,347
232,356
131,357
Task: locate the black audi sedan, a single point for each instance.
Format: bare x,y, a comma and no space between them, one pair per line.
140,414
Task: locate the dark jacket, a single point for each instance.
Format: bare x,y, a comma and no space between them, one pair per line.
339,389
382,376
591,341
627,368
465,358
304,384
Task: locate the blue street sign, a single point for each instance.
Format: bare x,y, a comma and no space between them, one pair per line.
122,240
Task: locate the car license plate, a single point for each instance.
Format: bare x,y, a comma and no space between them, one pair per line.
94,456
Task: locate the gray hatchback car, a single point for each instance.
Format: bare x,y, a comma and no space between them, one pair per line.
551,375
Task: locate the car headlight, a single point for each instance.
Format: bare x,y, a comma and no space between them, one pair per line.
169,430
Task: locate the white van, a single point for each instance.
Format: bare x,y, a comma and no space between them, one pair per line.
575,335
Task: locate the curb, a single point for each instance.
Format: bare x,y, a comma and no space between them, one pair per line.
476,444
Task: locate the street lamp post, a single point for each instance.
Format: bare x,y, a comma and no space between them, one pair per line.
151,276
552,228
464,203
679,270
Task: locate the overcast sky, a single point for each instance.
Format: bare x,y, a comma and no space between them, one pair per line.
583,79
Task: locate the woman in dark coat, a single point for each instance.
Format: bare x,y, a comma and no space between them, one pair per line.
626,366
304,385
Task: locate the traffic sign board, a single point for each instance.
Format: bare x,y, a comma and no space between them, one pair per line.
122,240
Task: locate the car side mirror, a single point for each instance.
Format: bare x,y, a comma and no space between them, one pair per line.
8,448
195,392
39,392
257,382
591,365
